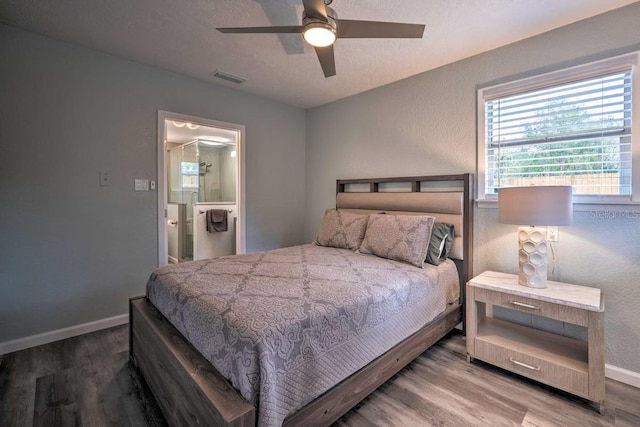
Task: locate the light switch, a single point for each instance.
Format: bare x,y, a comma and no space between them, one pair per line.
142,185
153,185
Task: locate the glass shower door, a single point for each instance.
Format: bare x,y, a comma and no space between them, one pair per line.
183,190
190,189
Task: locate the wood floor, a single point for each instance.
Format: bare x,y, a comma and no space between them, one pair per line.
86,381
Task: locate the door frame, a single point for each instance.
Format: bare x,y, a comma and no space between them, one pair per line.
163,250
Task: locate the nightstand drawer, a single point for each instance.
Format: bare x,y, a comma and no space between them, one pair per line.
564,377
534,306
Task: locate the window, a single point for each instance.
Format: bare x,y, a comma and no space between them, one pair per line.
190,174
572,127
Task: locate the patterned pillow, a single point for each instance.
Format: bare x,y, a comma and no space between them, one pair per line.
398,237
340,229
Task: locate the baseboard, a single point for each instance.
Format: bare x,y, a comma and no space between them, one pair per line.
61,334
622,375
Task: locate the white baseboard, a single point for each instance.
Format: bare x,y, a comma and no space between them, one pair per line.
61,334
622,375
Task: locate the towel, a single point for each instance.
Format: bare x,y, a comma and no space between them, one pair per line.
216,220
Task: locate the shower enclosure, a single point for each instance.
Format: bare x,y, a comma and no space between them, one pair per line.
201,175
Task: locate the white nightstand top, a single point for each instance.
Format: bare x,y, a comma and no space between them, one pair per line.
561,293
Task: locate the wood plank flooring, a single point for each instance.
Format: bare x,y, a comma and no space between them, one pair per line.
86,381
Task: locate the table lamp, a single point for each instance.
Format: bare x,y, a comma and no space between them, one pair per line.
545,205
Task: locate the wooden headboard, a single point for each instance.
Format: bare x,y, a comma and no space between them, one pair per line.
449,198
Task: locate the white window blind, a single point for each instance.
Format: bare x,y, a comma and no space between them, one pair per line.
576,133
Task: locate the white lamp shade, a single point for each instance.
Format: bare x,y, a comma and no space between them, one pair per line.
546,205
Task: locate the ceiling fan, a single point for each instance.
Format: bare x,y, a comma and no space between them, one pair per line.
321,27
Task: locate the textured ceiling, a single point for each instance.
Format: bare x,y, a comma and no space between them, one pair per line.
180,36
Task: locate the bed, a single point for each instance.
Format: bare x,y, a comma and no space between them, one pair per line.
327,326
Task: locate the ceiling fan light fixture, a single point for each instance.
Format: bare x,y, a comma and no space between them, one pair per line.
319,34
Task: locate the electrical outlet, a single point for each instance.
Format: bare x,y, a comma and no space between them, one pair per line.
552,234
105,179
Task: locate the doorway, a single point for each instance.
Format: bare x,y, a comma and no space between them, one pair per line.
200,180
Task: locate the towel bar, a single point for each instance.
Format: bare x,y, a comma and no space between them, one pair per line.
201,211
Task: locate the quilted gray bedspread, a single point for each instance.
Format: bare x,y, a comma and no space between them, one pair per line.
286,325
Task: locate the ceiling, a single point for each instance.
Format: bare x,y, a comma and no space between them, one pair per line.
180,36
179,132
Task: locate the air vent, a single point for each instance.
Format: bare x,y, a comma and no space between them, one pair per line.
228,77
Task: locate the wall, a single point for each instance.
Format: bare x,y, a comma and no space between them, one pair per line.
427,125
228,164
73,252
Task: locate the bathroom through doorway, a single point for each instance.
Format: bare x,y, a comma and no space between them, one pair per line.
200,191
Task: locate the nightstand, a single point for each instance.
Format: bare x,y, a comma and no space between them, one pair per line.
572,365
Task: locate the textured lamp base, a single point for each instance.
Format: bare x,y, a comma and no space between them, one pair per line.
532,257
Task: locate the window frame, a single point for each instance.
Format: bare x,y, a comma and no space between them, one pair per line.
567,75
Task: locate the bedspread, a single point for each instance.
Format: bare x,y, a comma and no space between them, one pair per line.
284,326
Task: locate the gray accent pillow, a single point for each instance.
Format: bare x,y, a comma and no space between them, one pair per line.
398,237
340,229
441,242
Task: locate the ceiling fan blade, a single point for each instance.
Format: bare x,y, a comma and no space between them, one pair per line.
327,60
263,30
315,9
350,29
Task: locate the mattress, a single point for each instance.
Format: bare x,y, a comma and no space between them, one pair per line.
284,326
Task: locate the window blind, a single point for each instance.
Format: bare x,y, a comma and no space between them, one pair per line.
576,133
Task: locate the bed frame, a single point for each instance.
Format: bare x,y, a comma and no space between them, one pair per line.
190,391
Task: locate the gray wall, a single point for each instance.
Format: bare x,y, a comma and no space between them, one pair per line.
73,252
427,125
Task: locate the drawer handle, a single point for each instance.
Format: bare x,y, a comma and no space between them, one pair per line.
524,365
521,304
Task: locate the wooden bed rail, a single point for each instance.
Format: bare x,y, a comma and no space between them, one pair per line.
185,385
